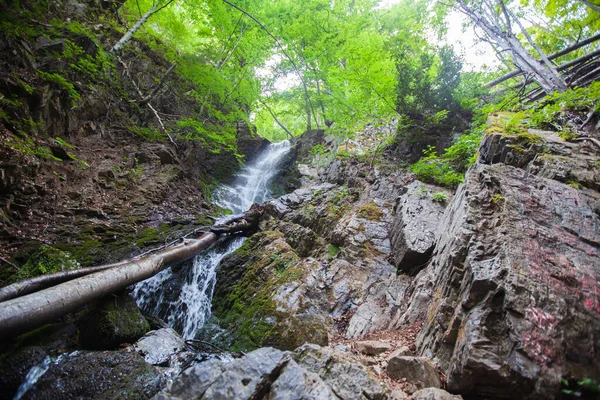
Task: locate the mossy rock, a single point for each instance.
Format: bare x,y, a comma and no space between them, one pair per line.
46,260
370,211
115,320
243,300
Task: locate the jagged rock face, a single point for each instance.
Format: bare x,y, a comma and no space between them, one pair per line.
413,231
311,372
514,281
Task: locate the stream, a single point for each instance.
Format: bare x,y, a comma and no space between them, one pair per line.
182,296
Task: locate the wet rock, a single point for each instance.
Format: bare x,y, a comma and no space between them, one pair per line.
413,230
372,347
115,320
433,394
160,346
249,143
100,375
416,370
14,368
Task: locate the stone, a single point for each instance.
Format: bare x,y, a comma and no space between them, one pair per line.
342,372
158,347
433,394
412,233
310,372
372,347
512,298
113,321
98,374
417,370
399,352
397,394
306,170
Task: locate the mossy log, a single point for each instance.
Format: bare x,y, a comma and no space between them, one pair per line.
26,312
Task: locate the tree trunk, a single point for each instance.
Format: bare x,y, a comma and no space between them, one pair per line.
27,286
136,27
499,32
24,313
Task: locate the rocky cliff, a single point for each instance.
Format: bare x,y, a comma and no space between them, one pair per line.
502,275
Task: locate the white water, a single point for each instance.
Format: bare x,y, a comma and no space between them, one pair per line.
190,309
36,372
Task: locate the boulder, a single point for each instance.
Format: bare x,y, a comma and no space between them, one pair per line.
113,321
310,372
164,348
513,283
399,352
91,374
342,372
419,371
433,394
413,230
372,347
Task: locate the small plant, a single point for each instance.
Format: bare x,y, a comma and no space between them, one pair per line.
498,199
440,197
585,388
61,83
370,211
333,250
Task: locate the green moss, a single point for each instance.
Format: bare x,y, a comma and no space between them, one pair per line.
370,211
46,260
246,308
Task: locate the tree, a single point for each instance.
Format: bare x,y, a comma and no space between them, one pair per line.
156,7
497,22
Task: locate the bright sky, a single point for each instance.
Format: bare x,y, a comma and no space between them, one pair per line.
476,54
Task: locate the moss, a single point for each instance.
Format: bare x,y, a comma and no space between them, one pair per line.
245,307
370,211
46,260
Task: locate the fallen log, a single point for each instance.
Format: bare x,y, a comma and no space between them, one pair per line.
27,312
43,281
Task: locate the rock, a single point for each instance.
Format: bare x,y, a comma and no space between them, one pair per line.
344,374
306,170
402,351
115,320
263,373
417,370
397,394
513,302
412,233
107,375
249,143
158,347
297,383
433,394
371,347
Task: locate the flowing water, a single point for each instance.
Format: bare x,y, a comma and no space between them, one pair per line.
183,296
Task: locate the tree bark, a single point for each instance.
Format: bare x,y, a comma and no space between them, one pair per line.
499,32
136,27
24,313
592,6
561,53
27,286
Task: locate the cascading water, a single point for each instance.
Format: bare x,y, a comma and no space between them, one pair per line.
182,297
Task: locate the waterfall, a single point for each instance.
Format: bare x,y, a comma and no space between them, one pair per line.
183,296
